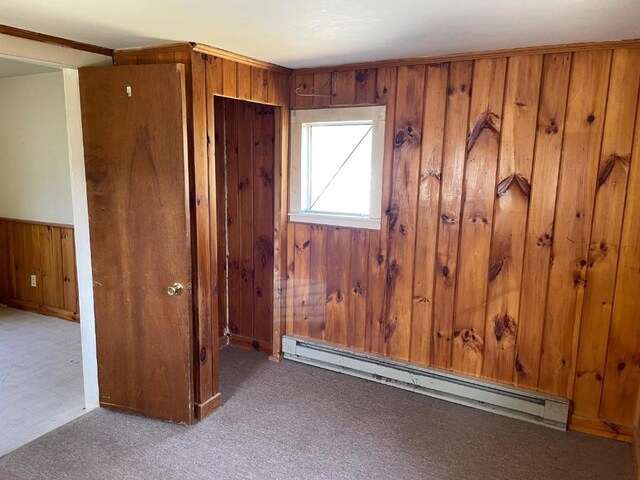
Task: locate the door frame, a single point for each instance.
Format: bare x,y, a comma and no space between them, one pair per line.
69,60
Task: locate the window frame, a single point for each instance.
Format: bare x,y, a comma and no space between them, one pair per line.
301,121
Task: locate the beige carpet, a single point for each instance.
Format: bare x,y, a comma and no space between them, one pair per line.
291,421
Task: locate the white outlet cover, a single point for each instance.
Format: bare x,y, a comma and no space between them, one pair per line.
34,282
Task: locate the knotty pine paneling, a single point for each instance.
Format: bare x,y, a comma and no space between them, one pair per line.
46,251
509,247
246,151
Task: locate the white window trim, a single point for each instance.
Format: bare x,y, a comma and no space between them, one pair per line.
300,118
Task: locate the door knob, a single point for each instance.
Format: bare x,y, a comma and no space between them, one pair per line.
175,289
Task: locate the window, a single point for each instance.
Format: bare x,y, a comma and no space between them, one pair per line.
336,166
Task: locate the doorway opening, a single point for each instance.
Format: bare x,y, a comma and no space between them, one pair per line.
244,140
40,335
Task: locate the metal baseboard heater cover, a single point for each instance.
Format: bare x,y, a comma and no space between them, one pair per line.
532,407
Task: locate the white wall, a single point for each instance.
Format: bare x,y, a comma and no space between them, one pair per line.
35,177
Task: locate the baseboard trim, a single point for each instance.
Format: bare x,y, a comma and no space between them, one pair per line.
600,428
532,407
250,343
41,309
203,410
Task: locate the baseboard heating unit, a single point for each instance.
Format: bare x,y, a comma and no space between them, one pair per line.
532,407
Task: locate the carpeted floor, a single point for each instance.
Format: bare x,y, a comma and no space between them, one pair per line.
291,421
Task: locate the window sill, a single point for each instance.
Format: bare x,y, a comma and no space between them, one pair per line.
336,220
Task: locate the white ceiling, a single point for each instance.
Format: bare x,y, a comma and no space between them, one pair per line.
302,33
13,68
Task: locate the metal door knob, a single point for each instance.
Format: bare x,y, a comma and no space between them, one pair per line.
175,289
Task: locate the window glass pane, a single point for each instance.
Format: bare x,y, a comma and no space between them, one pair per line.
340,168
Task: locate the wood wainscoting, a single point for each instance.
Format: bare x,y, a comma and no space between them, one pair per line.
47,251
509,249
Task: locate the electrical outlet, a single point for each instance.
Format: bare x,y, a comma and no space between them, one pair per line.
34,282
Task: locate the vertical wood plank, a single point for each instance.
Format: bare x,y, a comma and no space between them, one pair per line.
259,85
318,282
220,180
302,84
290,279
539,234
345,88
430,177
358,289
229,78
574,207
51,267
233,214
244,77
263,183
622,371
339,244
366,86
510,215
485,119
245,187
302,242
214,76
386,81
322,85
273,88
453,160
68,259
403,210
5,270
606,229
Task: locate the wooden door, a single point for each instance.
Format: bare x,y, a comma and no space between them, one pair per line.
134,122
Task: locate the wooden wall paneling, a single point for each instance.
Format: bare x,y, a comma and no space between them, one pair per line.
68,266
517,137
317,281
345,93
217,156
403,210
385,94
303,84
245,118
622,370
263,193
273,88
430,177
337,312
229,78
52,277
300,296
606,230
448,237
322,84
215,80
205,240
244,81
233,215
576,192
259,85
5,270
46,251
539,234
366,86
26,258
358,289
290,293
485,117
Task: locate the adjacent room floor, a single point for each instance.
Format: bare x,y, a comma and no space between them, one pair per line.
294,421
40,376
